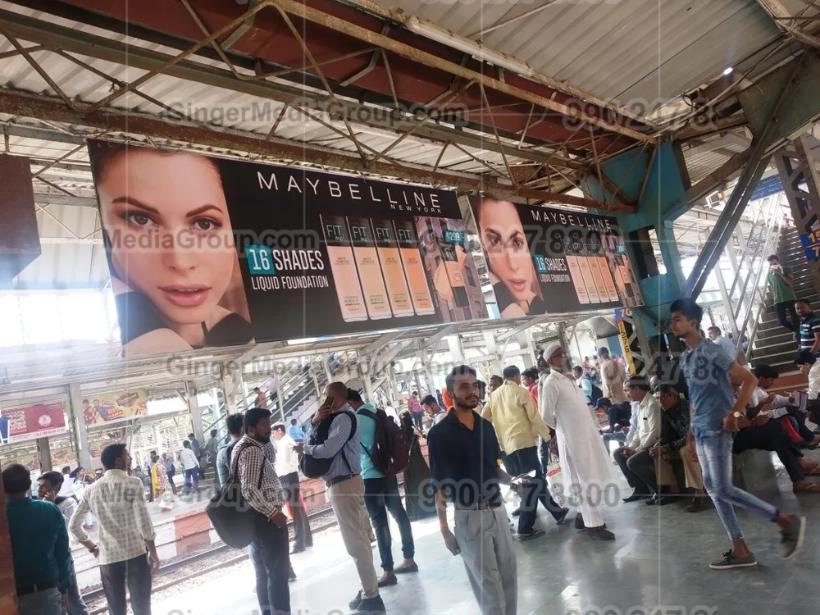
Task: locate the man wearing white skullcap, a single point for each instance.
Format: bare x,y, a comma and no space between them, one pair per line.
586,470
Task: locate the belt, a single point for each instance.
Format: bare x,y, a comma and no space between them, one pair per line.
23,590
339,479
478,506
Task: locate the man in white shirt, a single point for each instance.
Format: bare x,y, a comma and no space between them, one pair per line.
126,550
287,468
809,366
67,489
721,340
633,458
190,466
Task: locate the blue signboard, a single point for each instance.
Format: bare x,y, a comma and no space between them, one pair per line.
767,187
811,244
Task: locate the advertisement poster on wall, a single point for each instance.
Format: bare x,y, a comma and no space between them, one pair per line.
544,260
32,422
107,408
206,252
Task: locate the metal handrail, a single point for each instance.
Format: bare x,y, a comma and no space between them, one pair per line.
747,245
773,230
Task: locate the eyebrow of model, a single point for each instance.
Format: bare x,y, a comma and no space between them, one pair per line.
129,200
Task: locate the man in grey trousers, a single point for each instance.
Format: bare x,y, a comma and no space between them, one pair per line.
464,454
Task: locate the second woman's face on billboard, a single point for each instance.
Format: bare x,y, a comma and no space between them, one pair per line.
502,235
171,236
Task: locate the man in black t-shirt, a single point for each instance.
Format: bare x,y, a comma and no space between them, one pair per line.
464,455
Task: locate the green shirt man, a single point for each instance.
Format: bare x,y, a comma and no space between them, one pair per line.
783,296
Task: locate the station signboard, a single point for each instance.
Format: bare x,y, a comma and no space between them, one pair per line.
206,251
32,422
544,260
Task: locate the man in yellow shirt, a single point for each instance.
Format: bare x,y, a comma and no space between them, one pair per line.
518,424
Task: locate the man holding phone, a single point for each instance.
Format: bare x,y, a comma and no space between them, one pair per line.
345,489
261,489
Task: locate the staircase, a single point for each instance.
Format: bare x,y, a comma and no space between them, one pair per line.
773,344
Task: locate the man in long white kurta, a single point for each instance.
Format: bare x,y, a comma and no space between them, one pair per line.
586,470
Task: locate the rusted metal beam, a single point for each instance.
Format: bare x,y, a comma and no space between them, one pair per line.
428,59
56,37
710,127
711,182
118,120
467,44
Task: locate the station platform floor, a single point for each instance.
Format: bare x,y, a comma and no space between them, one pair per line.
657,564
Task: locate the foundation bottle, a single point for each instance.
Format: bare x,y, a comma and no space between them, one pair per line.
370,272
413,267
388,250
343,266
455,276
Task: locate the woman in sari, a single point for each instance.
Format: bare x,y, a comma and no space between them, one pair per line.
160,485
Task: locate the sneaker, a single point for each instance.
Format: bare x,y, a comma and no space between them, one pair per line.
730,560
697,504
534,533
792,538
414,567
562,516
371,605
388,579
636,495
354,604
600,533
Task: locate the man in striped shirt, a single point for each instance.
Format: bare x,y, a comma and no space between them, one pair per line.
809,329
252,463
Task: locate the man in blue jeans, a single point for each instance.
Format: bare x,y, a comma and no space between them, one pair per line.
716,415
381,493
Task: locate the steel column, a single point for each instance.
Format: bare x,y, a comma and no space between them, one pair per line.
797,166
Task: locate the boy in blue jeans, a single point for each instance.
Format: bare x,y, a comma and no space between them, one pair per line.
716,415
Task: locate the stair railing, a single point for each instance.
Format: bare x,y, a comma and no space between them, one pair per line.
756,300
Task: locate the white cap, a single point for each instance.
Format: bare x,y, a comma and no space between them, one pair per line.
551,350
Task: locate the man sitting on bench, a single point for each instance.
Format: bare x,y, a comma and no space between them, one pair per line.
784,408
759,431
674,445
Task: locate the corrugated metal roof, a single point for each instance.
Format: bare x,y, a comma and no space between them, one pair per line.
627,50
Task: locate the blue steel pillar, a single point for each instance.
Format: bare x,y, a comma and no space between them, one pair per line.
652,180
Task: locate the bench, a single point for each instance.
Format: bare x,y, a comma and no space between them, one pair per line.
753,470
619,437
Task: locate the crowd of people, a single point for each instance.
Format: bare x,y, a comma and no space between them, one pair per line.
677,441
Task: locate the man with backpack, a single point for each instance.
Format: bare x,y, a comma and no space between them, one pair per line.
334,452
252,465
382,443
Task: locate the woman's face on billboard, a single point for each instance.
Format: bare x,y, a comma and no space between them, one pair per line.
502,235
171,237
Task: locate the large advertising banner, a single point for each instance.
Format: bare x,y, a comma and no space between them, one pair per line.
107,408
205,251
32,422
544,260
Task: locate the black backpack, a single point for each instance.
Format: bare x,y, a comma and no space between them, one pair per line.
233,519
390,454
313,467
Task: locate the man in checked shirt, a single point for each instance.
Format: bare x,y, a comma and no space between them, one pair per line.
252,461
